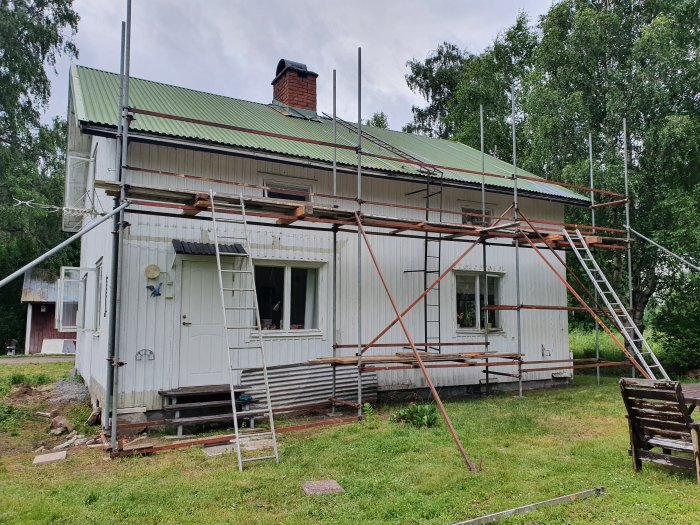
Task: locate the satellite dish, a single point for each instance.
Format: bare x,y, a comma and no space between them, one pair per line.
152,271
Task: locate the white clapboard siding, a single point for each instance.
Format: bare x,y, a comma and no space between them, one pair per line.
152,325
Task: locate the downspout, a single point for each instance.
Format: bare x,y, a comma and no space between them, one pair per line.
114,362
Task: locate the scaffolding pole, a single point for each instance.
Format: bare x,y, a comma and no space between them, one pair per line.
627,216
630,284
666,250
590,180
416,354
62,245
117,239
359,233
483,245
335,246
516,217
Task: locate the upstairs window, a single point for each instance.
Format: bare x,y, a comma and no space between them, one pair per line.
287,297
470,290
474,216
289,192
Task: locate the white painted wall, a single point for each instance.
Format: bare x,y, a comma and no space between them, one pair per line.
154,323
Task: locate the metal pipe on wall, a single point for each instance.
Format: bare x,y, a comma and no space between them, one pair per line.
359,233
117,239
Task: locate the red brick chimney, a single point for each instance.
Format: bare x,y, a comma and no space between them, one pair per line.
294,85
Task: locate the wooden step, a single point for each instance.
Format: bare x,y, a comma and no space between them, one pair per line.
206,390
201,404
198,420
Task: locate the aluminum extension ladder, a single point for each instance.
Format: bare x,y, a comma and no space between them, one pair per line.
241,321
629,330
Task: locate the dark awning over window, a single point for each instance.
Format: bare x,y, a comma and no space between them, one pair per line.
205,248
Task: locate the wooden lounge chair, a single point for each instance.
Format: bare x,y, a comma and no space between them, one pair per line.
659,419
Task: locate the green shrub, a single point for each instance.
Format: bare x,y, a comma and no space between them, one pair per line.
417,415
18,378
11,417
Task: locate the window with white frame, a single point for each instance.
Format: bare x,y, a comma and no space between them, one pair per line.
290,192
287,296
475,217
77,299
472,293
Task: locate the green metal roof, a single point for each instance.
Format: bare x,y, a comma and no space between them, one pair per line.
95,96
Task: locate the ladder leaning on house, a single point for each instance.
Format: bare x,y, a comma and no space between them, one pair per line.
623,320
241,321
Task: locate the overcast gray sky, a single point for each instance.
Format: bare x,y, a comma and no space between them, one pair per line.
231,47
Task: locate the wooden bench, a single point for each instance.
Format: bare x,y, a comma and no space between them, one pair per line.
659,418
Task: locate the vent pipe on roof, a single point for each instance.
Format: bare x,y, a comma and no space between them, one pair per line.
294,85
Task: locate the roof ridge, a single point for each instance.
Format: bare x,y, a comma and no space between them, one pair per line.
192,90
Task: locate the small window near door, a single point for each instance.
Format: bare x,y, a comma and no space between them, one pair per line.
302,314
472,293
288,192
287,297
269,282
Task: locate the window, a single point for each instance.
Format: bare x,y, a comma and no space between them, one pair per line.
77,299
475,217
470,298
276,190
287,297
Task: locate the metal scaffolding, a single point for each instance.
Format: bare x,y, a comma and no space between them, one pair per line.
334,218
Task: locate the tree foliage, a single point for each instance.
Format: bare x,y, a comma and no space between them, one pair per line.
32,156
585,66
378,120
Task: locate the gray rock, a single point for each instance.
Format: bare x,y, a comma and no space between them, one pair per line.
138,417
45,459
69,391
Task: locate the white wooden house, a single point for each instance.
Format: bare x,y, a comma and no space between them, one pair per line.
169,330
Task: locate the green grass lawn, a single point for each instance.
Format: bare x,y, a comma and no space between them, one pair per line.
547,444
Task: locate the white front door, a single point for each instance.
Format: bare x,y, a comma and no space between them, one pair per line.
203,359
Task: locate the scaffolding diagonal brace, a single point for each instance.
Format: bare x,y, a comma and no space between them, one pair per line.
399,317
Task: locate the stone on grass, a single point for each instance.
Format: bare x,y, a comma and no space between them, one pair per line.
130,419
94,416
323,486
218,450
66,444
61,422
45,459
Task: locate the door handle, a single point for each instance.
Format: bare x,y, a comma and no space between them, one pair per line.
186,323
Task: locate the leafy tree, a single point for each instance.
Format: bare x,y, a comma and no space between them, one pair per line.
587,65
32,34
435,79
378,120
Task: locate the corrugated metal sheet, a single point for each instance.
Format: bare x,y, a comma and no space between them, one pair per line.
204,248
300,385
95,94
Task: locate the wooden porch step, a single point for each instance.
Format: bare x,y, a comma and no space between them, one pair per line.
197,420
200,404
189,391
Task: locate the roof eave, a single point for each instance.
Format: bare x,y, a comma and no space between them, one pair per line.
157,138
